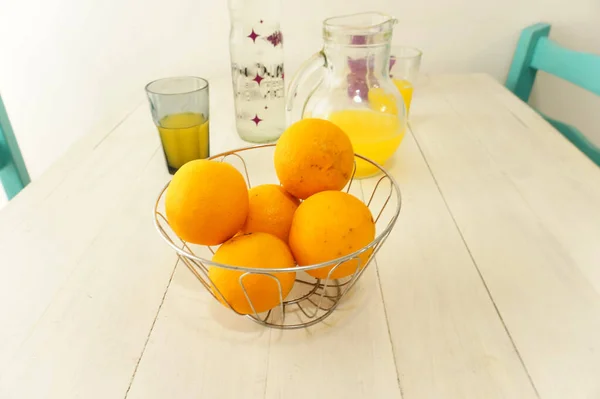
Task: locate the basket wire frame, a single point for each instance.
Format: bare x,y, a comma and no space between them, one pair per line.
318,298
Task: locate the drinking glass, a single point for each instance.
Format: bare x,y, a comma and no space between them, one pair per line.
404,67
179,107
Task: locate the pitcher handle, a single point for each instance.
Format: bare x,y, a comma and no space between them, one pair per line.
307,68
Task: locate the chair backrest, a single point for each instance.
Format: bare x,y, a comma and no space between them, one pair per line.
13,173
535,51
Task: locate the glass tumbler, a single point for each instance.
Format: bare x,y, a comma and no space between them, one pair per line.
404,68
180,111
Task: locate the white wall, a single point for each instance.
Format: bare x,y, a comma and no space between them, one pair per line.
78,66
72,67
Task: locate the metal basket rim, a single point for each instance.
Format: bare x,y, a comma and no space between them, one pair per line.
297,268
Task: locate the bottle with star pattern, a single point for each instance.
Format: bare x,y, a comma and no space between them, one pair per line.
256,51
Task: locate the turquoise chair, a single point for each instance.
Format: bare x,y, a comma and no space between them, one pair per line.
535,52
13,173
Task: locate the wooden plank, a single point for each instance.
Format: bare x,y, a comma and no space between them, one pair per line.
214,353
71,242
448,340
63,217
526,202
59,226
560,184
348,355
200,349
88,340
33,196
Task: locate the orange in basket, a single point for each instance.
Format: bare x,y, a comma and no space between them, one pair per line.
271,210
252,250
329,225
207,202
313,155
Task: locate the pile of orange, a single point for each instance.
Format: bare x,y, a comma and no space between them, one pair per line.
304,221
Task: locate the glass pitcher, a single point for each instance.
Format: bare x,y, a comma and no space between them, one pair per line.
355,91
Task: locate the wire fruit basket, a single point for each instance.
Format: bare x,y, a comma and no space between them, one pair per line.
312,299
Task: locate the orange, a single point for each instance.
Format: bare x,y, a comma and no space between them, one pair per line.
252,250
313,155
207,202
327,226
271,211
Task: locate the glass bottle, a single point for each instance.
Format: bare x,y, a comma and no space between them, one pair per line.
256,51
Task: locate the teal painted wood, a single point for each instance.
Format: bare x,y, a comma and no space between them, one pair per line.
577,138
13,173
581,69
535,51
9,176
521,75
4,155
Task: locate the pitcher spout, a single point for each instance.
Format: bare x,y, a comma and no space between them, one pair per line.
359,29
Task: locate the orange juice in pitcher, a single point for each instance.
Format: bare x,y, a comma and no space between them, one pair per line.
373,135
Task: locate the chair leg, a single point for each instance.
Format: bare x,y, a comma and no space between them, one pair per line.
577,138
521,76
13,172
10,179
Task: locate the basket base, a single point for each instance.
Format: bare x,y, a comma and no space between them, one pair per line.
310,302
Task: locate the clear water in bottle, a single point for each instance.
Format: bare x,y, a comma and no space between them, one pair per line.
256,50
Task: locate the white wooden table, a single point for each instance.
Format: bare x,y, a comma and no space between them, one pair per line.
488,287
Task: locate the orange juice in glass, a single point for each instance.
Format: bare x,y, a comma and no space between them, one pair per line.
406,91
179,107
404,67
